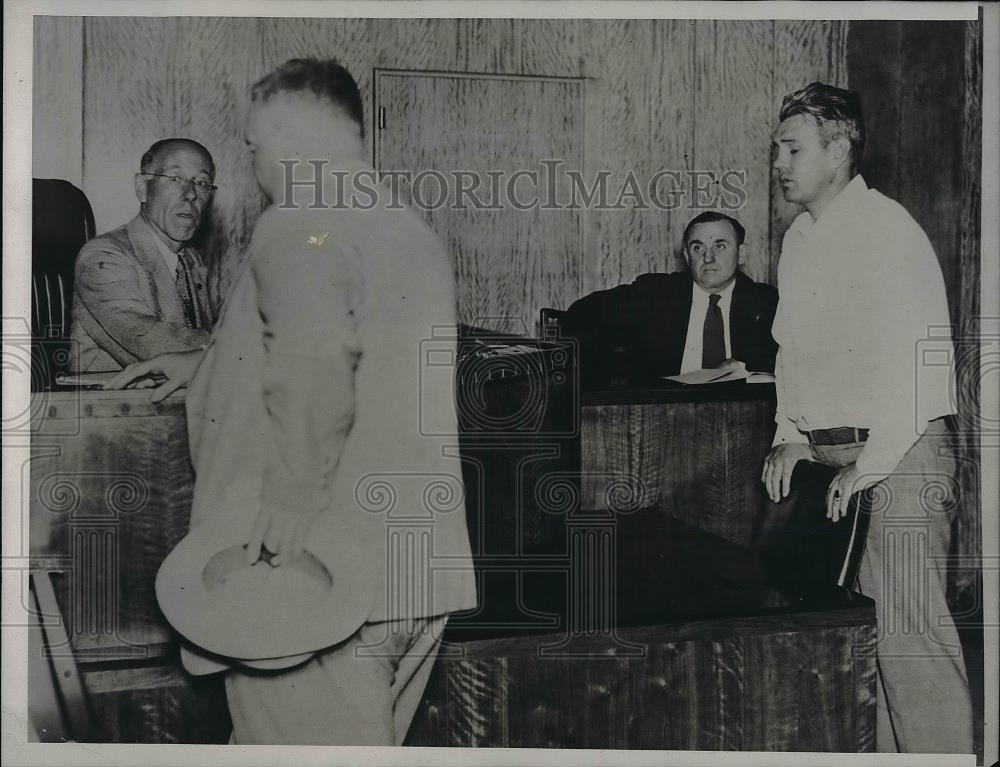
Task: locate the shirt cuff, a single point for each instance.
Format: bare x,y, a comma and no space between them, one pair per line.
787,433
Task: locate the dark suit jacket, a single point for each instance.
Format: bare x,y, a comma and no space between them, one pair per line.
638,331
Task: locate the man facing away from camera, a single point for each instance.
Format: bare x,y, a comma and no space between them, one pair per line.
860,288
142,290
309,389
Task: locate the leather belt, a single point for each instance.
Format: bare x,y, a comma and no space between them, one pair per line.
840,435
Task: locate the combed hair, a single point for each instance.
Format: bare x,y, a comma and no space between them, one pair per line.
325,79
151,155
710,216
836,112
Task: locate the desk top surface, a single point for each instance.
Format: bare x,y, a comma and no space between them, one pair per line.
72,402
667,392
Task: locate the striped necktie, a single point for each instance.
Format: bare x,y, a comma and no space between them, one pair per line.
184,291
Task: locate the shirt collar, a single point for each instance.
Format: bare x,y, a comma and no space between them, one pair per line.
169,257
839,211
701,295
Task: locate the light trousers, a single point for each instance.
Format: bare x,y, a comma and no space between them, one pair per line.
361,692
923,704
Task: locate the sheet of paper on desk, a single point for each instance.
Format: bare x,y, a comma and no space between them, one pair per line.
503,349
708,376
760,378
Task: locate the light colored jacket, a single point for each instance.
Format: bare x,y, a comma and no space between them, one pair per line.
314,393
125,302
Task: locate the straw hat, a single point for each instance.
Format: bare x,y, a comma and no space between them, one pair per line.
259,615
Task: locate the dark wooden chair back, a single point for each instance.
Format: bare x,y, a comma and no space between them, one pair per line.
61,222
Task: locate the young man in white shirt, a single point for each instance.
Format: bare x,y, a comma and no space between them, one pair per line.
861,296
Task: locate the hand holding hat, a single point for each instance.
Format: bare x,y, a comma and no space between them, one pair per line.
256,613
283,532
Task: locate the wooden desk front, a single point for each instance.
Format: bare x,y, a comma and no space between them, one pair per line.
660,636
110,495
111,489
694,453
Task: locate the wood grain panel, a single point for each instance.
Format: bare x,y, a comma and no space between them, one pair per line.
968,531
108,501
643,124
732,105
911,102
509,263
641,113
549,46
741,692
454,45
878,74
158,705
700,463
804,51
771,687
109,497
57,99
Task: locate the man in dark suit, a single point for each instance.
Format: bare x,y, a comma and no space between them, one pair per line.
140,290
665,324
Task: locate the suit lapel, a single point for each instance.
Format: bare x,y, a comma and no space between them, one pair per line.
149,256
741,317
198,273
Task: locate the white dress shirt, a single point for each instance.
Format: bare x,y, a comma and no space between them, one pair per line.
169,257
693,346
863,327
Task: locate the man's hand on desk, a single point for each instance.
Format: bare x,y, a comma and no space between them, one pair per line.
176,368
280,531
779,465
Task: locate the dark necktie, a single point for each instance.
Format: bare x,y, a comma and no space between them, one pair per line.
184,292
713,340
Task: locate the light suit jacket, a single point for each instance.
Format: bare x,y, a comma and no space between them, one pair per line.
313,395
125,302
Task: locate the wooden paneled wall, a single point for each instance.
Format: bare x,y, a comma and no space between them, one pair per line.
660,95
923,115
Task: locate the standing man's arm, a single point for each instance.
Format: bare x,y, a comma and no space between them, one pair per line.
107,284
904,390
790,445
307,385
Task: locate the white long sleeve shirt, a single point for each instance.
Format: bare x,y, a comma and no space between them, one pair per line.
863,327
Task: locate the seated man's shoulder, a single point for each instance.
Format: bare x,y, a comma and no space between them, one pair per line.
640,295
761,288
662,280
114,243
760,295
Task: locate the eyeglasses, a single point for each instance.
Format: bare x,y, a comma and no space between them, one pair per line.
201,186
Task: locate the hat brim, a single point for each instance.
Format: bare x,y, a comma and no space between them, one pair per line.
326,604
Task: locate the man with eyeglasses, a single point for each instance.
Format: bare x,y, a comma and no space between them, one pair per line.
141,290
